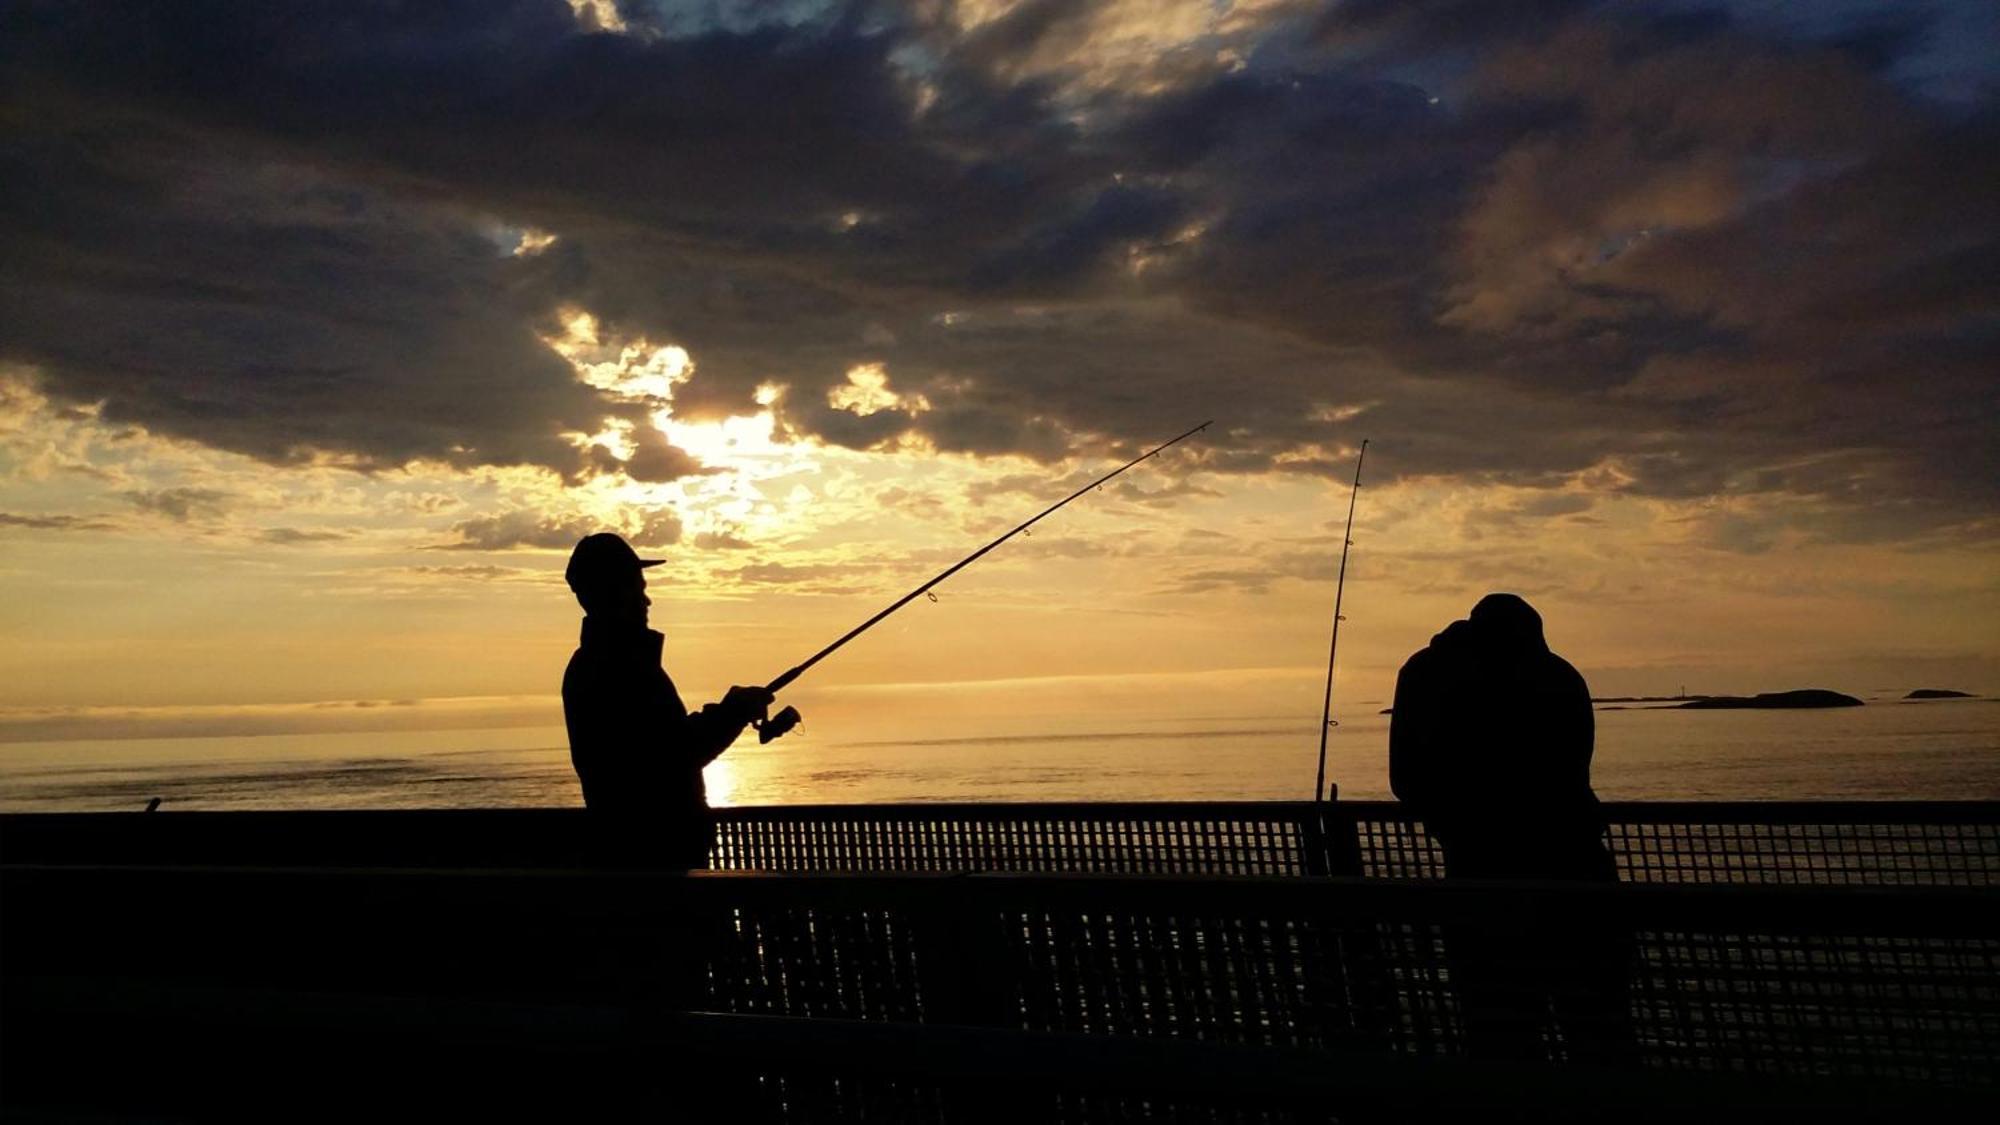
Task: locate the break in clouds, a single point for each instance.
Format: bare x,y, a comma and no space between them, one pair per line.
1677,250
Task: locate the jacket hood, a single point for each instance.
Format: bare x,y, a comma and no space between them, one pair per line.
1499,623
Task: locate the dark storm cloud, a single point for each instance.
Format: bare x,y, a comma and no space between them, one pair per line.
210,290
1701,250
1051,255
1417,27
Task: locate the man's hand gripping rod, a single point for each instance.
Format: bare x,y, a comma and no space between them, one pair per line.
788,718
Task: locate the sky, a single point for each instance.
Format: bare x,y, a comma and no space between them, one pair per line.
327,329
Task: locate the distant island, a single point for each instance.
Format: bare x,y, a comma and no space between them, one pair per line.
1938,693
1769,700
1773,700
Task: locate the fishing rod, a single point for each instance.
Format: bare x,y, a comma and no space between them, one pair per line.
788,718
1326,722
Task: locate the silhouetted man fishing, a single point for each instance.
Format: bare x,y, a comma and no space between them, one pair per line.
637,751
1489,744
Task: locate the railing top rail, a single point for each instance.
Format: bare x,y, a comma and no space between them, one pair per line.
1635,812
1021,810
1749,812
1716,812
1803,812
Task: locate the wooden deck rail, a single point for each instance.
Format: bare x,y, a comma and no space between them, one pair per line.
1894,843
1877,985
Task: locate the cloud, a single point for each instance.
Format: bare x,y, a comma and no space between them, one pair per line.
656,460
180,504
1165,496
1256,573
821,578
1033,485
661,528
1526,513
273,308
480,573
1420,26
721,541
290,536
54,522
922,505
510,530
1670,251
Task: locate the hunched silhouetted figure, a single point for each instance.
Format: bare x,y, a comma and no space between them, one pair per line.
637,751
1490,740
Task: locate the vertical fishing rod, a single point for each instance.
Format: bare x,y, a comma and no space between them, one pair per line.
788,718
1339,587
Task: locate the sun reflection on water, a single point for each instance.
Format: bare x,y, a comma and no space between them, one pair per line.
720,777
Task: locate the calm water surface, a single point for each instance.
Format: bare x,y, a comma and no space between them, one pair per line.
1933,750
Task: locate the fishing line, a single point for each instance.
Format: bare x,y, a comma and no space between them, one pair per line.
788,718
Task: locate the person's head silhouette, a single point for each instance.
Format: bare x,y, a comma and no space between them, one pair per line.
1508,621
609,579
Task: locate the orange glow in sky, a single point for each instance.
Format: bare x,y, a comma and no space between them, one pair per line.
313,369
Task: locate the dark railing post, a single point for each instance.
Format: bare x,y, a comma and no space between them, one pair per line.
966,977
1312,840
962,965
1340,834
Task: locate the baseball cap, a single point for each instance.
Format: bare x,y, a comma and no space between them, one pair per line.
601,558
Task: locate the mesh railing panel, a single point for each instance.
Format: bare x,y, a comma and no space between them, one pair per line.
822,962
1897,990
1909,1008
1863,853
1392,846
1193,839
1818,843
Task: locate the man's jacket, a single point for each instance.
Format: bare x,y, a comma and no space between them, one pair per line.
1490,745
636,749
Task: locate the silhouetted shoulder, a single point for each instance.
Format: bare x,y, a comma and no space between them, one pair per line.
1568,673
1455,640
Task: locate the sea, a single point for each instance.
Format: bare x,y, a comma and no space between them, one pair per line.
1887,750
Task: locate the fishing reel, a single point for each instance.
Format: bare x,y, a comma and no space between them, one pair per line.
778,725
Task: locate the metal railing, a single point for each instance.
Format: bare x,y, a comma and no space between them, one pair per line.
1893,843
1110,838
1887,843
1874,985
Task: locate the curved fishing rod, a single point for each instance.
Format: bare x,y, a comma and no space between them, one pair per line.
788,718
1339,587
